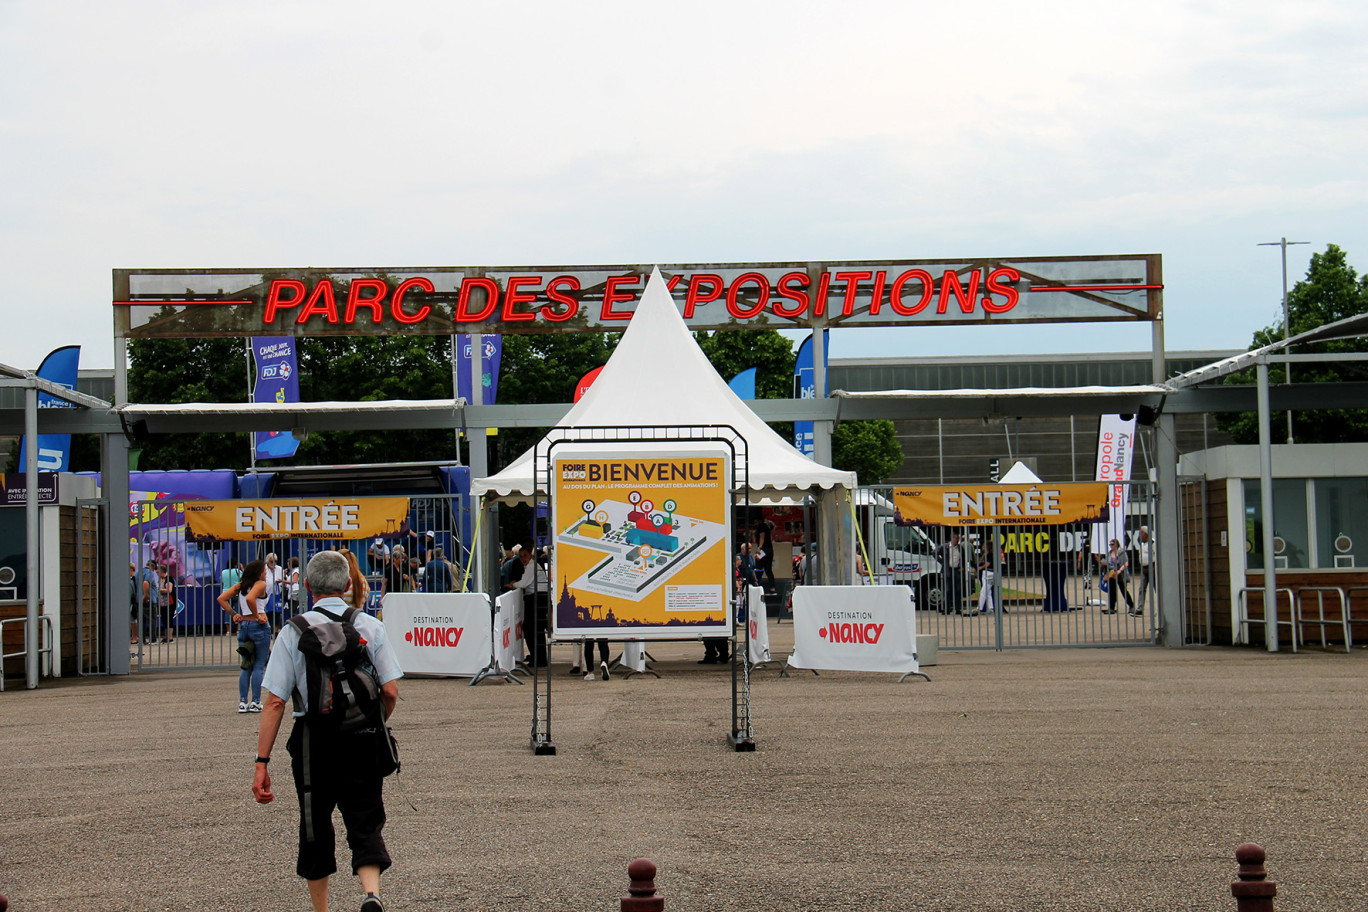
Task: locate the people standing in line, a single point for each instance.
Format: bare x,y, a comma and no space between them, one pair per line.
511,569
149,588
1145,556
438,575
230,576
396,576
166,604
275,579
132,604
358,590
246,603
377,556
330,769
589,645
292,587
955,559
1118,562
987,577
535,584
764,556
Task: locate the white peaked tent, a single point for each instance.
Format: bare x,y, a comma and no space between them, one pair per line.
658,376
1020,474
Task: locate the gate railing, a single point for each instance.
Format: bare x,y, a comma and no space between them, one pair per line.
196,633
1044,589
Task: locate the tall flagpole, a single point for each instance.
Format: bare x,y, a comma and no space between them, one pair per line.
251,377
1284,243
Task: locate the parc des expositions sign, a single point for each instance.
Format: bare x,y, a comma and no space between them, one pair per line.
151,303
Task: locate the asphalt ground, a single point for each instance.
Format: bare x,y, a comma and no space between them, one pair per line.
1068,779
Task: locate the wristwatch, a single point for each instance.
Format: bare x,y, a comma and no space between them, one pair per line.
263,759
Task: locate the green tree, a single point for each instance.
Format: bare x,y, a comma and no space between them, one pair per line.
767,350
868,448
189,370
1331,291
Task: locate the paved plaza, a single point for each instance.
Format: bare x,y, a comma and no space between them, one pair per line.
1068,779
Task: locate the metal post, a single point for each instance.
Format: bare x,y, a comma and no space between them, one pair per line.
114,536
32,542
1284,243
821,430
1266,497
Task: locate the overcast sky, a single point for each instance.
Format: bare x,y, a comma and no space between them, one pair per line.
199,134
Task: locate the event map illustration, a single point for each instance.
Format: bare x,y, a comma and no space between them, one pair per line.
643,546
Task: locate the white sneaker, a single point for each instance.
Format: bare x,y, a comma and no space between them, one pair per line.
242,707
589,676
603,669
254,707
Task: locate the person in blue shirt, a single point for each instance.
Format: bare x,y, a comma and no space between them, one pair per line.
338,773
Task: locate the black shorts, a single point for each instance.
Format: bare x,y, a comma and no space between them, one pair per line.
337,776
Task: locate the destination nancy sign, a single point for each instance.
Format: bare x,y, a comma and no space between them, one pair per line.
152,303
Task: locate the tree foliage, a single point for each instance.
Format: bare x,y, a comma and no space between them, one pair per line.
868,448
1331,291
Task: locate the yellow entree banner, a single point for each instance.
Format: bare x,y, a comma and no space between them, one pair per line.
254,520
1001,505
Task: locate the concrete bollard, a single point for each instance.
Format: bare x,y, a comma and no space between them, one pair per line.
1253,892
642,889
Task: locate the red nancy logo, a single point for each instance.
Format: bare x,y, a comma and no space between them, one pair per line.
435,636
851,633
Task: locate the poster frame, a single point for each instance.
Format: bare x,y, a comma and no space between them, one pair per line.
741,734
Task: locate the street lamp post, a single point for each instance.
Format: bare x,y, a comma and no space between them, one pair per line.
1284,243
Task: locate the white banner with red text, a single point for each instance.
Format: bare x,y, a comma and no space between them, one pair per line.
1115,454
439,633
854,628
757,616
508,621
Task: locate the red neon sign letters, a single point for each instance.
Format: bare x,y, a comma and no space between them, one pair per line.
529,298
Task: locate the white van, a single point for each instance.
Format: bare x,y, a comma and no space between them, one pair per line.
900,554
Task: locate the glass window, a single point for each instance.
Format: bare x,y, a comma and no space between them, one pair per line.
1291,532
1341,522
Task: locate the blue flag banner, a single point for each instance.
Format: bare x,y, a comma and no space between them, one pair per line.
277,380
493,354
805,387
743,384
54,450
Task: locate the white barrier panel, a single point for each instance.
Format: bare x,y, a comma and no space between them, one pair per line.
757,616
634,655
854,628
439,633
508,628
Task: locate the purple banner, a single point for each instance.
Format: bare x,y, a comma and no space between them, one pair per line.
493,354
277,380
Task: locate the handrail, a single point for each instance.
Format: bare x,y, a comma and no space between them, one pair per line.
44,622
1322,620
1243,616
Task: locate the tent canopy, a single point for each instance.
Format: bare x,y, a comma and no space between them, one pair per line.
659,377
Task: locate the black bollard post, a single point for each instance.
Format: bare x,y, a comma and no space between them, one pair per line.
642,889
1253,892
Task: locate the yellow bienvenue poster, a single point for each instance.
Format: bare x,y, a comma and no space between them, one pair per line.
641,534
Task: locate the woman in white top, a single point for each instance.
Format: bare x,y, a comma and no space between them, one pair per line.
246,604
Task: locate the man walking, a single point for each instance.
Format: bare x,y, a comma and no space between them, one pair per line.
1144,549
338,769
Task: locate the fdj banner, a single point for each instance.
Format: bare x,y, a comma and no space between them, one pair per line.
256,520
1000,505
277,380
641,533
54,450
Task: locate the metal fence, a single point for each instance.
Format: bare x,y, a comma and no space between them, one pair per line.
195,632
1018,587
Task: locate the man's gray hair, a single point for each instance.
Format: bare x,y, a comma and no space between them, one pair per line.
328,573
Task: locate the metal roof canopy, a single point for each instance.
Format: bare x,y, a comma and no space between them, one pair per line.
1260,358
